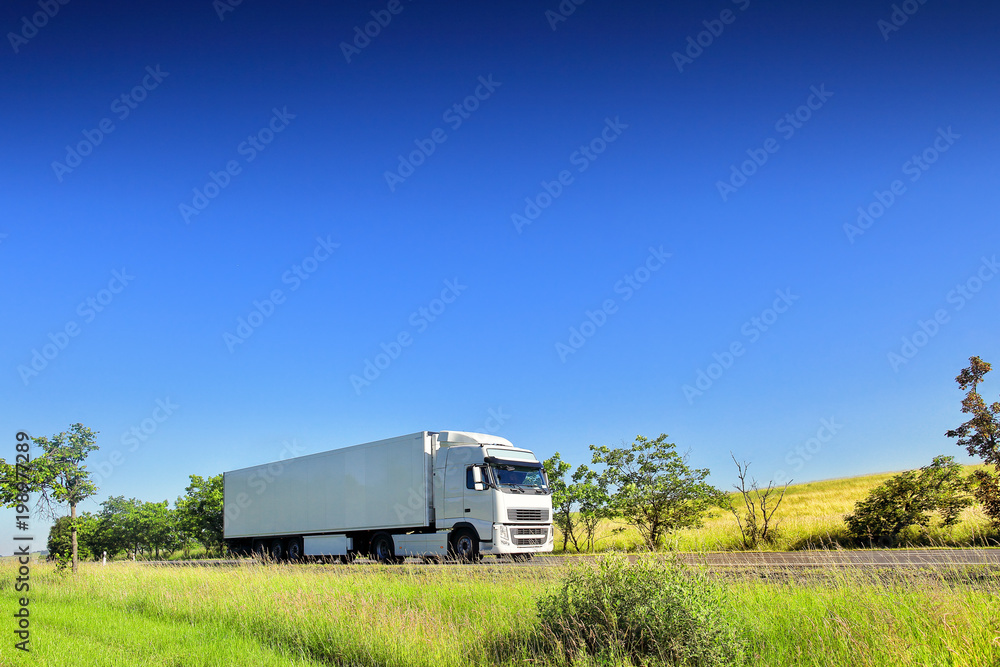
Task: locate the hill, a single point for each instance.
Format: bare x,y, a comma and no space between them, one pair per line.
811,516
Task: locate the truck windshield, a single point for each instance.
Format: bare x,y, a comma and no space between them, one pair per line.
515,475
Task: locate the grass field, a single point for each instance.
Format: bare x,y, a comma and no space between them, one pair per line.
126,614
811,516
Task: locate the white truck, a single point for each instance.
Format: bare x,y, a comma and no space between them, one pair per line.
430,495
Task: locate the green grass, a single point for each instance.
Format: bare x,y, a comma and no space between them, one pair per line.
810,516
126,614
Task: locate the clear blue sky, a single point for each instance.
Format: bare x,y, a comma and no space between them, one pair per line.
623,133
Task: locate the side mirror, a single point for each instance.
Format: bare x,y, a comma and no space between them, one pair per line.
477,478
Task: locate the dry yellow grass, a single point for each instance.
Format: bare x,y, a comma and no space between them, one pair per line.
811,515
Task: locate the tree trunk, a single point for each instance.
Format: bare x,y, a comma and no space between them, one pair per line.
72,530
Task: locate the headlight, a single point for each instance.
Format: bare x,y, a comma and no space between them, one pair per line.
504,535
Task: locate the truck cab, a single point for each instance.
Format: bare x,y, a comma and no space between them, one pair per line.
494,497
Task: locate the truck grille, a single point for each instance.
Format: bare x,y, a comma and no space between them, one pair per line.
536,539
528,515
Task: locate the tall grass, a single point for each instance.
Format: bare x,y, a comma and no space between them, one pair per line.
126,614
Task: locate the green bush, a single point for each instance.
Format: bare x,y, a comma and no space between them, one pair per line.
908,499
650,611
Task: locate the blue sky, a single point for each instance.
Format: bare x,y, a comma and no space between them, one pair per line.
566,221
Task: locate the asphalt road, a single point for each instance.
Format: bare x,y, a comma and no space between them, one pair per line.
875,558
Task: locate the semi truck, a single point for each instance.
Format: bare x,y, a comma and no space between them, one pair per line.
431,495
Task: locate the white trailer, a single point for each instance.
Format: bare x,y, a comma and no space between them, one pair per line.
429,494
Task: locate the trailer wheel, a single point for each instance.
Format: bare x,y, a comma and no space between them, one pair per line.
295,549
278,550
383,550
465,545
259,549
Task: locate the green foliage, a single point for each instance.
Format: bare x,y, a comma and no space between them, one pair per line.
980,435
652,610
908,499
58,474
199,512
562,497
652,487
578,505
60,542
132,526
590,493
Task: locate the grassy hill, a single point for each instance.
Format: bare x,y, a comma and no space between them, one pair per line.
811,516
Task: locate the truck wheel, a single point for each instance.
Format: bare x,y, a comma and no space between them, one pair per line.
295,549
259,549
465,545
383,550
277,551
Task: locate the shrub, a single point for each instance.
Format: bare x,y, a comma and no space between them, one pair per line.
908,500
650,610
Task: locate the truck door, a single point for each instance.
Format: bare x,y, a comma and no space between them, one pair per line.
478,504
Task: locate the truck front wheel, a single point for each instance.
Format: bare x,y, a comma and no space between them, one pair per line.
465,545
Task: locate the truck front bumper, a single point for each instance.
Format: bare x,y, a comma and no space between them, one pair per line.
519,539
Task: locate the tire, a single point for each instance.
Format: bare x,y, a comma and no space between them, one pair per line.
383,550
259,550
465,545
277,550
295,550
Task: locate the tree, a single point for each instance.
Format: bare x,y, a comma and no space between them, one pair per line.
60,542
980,435
755,528
652,487
590,493
157,526
562,498
908,499
58,474
200,511
117,526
